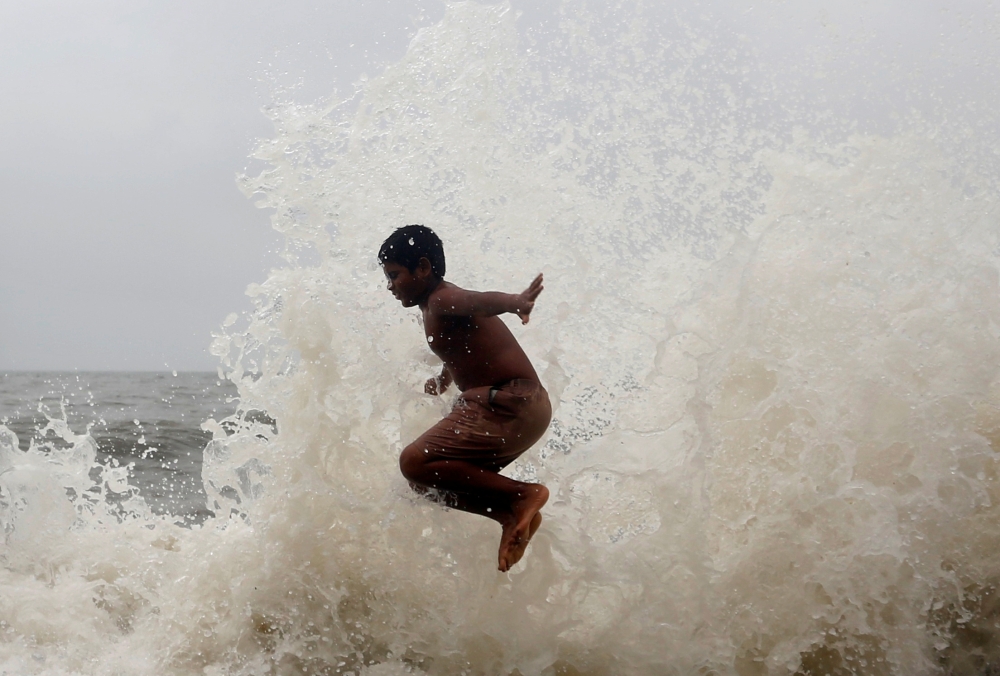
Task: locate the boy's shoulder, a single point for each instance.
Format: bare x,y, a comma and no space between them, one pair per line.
443,296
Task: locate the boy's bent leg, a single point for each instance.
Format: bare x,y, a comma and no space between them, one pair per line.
476,440
512,541
462,455
515,505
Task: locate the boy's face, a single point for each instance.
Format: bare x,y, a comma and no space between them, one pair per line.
407,287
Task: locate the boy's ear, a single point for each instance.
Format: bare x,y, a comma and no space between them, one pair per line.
424,267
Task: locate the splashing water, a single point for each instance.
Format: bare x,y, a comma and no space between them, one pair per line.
771,337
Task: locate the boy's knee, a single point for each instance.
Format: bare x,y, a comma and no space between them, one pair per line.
412,461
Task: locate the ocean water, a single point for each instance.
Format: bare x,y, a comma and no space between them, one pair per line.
147,423
770,329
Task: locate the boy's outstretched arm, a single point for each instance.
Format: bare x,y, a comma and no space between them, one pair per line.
460,302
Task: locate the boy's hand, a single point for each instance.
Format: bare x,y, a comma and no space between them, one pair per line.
435,386
526,299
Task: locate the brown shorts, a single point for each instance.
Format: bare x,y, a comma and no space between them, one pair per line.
490,427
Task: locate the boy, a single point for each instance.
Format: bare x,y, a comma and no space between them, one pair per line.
503,408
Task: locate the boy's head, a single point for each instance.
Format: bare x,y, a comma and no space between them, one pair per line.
407,245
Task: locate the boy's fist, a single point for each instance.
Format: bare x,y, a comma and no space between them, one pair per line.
434,386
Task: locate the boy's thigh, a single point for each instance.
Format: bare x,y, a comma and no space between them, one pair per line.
471,433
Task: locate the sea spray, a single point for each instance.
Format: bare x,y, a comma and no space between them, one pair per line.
771,339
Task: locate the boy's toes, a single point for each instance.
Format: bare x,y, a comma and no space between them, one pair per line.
505,561
503,555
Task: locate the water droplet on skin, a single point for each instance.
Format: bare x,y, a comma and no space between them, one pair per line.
430,339
411,241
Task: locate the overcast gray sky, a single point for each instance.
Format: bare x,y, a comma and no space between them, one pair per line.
123,238
123,124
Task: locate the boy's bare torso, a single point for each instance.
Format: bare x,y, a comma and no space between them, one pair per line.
476,351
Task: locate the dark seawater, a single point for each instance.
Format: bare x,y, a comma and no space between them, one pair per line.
149,422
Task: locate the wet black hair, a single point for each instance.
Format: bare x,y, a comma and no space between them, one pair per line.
408,244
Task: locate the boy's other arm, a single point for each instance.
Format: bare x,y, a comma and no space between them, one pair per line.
453,301
438,384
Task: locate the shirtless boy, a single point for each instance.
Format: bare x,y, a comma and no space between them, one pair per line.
503,408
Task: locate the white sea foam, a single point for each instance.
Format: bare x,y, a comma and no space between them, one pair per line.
773,350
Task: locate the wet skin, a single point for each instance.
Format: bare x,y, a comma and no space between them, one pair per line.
478,351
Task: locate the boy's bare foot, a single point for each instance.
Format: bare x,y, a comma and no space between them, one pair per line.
517,549
526,520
